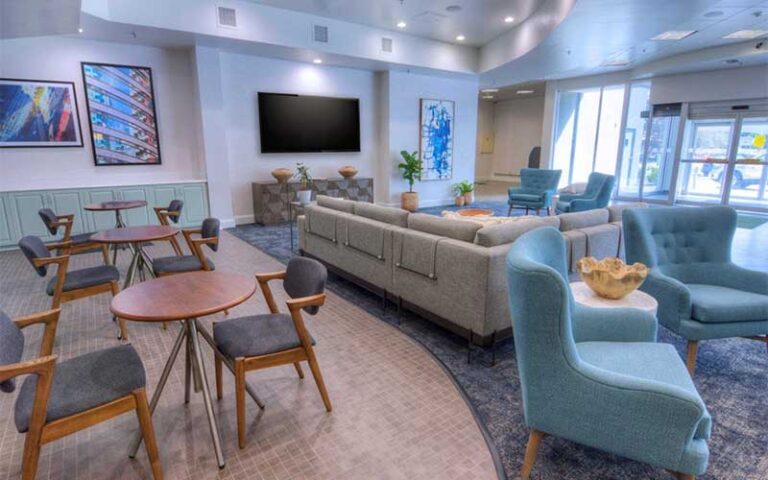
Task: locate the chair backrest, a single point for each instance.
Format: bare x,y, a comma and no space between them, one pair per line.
305,277
534,158
11,348
674,238
539,179
606,190
49,219
211,228
594,184
540,305
34,248
175,207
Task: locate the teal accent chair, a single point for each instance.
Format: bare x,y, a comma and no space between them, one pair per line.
597,194
537,187
702,295
596,376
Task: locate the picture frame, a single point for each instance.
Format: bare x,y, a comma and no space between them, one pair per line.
39,114
436,132
120,101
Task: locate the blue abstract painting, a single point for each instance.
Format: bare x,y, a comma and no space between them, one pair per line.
436,139
38,114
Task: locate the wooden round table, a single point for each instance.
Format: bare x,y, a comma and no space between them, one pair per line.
475,212
185,297
586,296
115,206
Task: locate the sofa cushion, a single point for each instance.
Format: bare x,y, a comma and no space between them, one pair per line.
444,227
503,233
615,212
392,216
602,240
340,204
417,253
575,247
365,235
576,220
715,304
321,221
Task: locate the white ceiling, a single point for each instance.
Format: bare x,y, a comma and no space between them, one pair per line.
480,21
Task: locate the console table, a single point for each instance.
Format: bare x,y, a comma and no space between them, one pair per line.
270,199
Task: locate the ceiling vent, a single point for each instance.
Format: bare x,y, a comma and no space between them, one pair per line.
320,34
227,17
386,44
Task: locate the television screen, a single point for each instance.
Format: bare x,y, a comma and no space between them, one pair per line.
302,123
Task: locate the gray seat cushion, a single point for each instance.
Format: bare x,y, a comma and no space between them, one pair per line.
83,383
715,304
11,348
256,335
87,277
183,263
81,238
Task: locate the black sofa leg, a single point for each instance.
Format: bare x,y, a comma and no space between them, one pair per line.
493,348
469,348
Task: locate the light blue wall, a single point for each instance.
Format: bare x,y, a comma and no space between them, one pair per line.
18,210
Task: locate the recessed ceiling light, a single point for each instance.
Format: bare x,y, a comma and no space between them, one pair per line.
674,35
509,19
524,92
714,14
746,34
460,38
488,97
616,63
489,90
733,61
453,8
317,61
401,24
80,30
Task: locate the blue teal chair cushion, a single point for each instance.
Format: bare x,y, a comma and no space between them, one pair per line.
597,194
715,304
585,378
84,278
536,189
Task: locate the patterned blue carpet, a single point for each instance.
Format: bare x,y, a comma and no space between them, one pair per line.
732,377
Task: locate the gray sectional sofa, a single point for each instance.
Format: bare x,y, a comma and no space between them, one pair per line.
449,271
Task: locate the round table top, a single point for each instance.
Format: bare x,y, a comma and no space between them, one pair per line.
143,233
182,296
115,205
475,212
637,299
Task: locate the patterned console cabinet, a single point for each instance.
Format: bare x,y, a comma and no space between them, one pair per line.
18,210
270,198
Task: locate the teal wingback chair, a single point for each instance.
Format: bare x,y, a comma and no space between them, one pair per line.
596,376
597,194
537,187
702,295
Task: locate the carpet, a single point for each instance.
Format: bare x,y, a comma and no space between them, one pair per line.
732,378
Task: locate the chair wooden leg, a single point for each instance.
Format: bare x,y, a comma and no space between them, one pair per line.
31,456
530,453
297,366
509,212
105,253
685,476
120,321
693,349
148,432
240,400
176,246
315,368
526,210
219,371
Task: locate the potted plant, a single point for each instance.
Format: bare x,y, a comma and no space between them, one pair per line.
411,168
458,194
467,190
305,194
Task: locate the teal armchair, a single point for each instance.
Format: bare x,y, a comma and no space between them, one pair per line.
702,295
597,377
597,194
537,187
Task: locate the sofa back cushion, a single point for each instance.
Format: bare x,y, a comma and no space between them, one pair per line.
417,252
321,221
576,220
365,235
443,227
392,216
340,204
615,212
504,233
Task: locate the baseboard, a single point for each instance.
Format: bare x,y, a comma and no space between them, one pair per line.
228,222
244,219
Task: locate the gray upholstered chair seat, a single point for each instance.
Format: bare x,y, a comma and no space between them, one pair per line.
716,304
83,383
183,263
81,238
256,335
87,277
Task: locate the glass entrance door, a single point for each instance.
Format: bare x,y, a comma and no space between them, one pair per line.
750,167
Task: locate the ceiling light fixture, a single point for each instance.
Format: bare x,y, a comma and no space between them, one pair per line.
746,34
509,19
674,35
453,8
487,97
401,24
524,92
80,30
616,63
489,90
460,38
317,61
714,14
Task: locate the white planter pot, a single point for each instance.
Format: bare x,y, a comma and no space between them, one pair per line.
304,196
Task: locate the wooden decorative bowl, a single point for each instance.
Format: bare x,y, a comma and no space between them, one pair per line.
611,277
348,171
282,175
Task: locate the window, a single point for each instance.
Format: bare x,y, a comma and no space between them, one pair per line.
633,148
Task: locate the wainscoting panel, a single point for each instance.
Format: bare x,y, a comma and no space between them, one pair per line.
19,217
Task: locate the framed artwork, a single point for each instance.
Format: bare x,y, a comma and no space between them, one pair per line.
121,114
436,138
37,113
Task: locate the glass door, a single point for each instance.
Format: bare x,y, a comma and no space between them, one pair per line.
750,167
703,169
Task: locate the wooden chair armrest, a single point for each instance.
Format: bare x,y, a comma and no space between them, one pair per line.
42,365
63,245
158,209
203,241
264,279
296,304
68,217
50,319
268,277
61,260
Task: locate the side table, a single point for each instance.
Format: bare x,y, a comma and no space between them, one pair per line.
637,299
295,208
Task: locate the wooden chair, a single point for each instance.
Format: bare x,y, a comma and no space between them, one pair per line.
61,398
208,235
171,213
67,286
81,242
269,340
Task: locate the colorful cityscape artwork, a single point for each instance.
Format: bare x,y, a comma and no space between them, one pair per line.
38,114
121,113
436,139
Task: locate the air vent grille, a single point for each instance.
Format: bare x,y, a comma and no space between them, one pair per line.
320,33
386,45
227,17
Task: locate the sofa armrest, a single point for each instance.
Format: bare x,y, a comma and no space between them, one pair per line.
673,296
613,325
567,197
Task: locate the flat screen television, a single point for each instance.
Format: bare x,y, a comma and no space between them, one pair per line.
302,123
